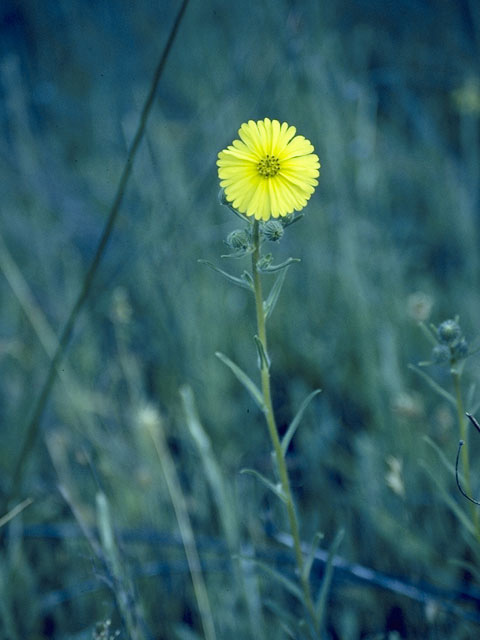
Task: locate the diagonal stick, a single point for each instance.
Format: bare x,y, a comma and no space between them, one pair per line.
39,408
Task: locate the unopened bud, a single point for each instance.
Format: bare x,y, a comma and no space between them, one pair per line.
441,353
460,350
273,230
238,240
449,332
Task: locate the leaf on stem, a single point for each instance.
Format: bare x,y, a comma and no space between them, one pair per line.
434,385
271,268
296,421
291,219
241,253
275,488
241,282
242,377
223,200
263,358
307,567
271,301
248,279
288,584
327,578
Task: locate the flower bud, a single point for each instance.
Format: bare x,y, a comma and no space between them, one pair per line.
273,230
460,350
238,240
449,332
441,353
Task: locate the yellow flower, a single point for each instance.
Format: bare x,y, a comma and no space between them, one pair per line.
268,172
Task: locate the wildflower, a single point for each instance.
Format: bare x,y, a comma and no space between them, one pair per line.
452,344
270,171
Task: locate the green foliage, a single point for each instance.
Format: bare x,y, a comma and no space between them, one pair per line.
388,94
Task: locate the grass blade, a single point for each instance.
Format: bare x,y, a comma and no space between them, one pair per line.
434,385
282,580
327,578
311,556
186,531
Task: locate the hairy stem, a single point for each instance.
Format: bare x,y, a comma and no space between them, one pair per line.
273,431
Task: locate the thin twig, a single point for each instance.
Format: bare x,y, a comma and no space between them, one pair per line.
39,408
15,511
186,530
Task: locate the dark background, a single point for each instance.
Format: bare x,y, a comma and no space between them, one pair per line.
389,94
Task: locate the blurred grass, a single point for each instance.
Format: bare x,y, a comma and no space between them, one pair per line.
378,89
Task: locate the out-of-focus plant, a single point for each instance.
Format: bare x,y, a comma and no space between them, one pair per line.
450,348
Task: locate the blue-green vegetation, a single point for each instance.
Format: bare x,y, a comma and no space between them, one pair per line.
133,485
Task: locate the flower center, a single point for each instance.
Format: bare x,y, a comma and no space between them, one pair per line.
268,166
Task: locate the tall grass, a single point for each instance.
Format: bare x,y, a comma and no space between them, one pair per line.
395,214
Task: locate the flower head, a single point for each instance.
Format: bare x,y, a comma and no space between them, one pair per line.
269,172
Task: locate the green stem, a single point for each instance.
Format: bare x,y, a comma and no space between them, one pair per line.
273,431
464,453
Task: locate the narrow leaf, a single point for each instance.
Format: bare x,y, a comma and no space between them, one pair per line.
442,457
248,279
450,502
429,332
307,567
241,282
223,200
278,267
454,506
271,301
263,358
296,421
327,578
249,385
288,584
287,621
276,488
434,385
295,218
241,253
